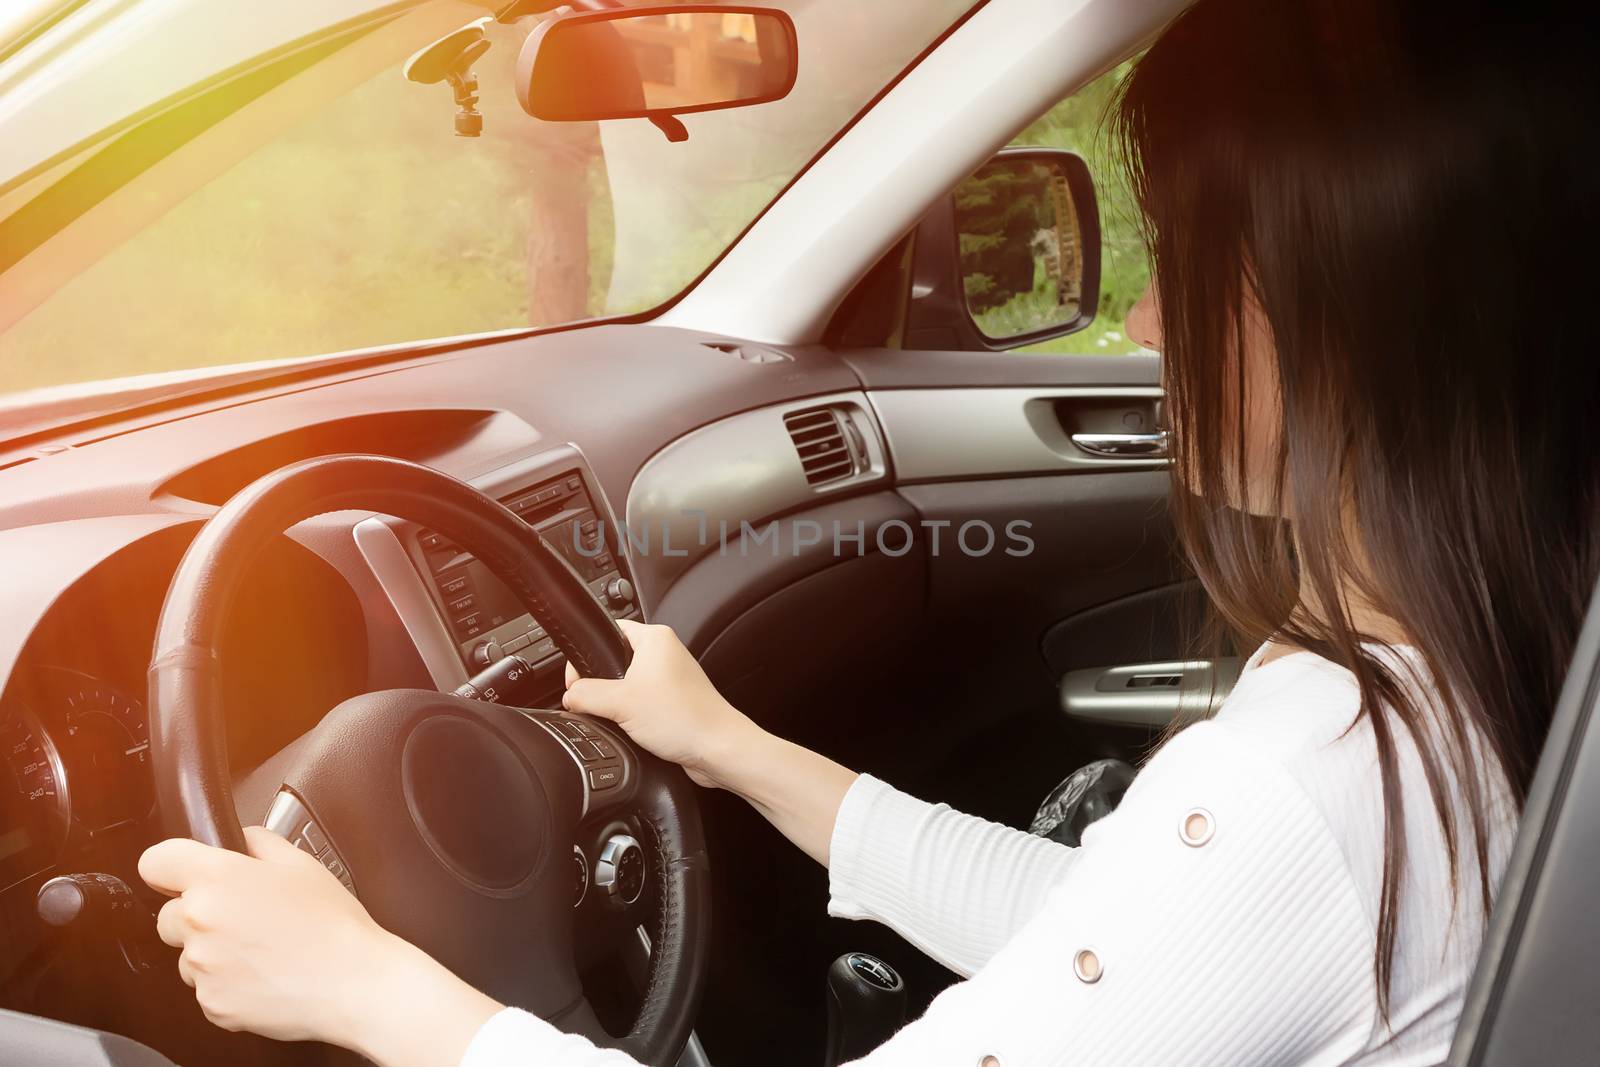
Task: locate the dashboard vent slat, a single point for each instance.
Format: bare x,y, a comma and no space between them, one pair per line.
804,436
819,439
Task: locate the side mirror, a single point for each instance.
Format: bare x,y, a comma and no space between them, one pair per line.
1010,258
656,62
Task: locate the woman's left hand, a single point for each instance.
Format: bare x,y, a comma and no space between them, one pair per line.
272,943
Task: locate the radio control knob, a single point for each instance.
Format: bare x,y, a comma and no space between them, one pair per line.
619,591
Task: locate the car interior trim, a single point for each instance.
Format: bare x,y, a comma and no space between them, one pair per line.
744,468
380,547
1006,431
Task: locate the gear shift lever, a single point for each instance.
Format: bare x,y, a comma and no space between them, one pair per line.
866,1004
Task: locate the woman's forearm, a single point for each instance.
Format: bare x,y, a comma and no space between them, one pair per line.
413,1012
669,707
799,791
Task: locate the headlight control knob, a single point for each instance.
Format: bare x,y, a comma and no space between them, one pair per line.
619,591
86,898
620,870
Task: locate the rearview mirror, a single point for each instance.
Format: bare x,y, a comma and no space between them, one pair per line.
656,63
1010,258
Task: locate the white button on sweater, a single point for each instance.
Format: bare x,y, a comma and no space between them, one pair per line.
1226,910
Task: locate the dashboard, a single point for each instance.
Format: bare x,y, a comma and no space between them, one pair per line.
341,604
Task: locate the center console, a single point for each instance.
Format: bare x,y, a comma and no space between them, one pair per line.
483,615
460,616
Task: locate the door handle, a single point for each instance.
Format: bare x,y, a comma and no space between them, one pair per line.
1123,445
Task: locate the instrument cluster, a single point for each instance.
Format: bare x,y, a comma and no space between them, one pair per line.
74,766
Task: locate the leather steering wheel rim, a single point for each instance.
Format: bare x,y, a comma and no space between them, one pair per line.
187,729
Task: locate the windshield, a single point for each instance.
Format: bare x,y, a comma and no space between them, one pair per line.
339,210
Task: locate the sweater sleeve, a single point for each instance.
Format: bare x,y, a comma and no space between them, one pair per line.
515,1038
956,886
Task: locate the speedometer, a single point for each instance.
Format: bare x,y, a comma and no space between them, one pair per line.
34,809
105,742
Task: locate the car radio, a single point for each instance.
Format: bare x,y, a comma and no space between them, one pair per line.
484,617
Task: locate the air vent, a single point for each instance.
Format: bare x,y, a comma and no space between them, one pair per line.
819,436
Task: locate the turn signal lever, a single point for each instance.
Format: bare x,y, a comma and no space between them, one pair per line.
98,905
866,1005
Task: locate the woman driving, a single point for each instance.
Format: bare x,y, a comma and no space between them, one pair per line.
1385,477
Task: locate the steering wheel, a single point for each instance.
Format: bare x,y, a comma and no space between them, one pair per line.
453,820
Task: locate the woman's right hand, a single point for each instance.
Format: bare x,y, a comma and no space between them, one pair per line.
666,704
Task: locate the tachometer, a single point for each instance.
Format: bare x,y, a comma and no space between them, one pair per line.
105,742
34,809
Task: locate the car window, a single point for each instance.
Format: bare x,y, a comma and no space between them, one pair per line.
348,214
1078,123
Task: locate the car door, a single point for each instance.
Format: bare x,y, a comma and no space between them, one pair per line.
1532,997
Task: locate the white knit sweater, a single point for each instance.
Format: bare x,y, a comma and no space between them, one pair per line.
1249,942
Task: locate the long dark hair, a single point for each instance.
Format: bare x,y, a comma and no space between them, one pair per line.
1401,190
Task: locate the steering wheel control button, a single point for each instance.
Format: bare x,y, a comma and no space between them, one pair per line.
597,752
315,837
290,820
620,870
1197,828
